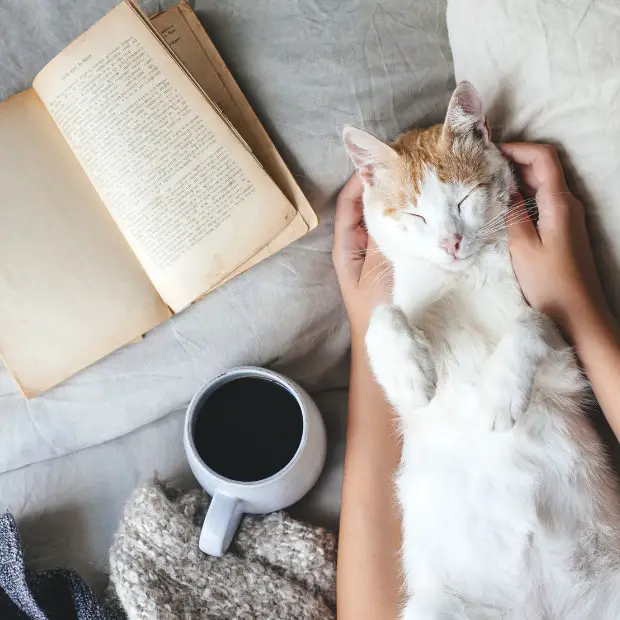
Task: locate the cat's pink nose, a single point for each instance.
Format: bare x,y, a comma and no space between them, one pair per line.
451,244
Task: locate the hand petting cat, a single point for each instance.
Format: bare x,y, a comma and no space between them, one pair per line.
555,269
552,260
364,275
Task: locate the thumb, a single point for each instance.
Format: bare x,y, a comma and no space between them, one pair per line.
519,225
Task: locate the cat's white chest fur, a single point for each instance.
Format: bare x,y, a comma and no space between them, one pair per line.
463,318
488,398
452,437
469,512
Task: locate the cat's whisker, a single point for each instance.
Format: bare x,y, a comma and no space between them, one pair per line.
380,277
365,252
510,219
507,213
494,219
381,274
528,204
516,220
381,280
514,216
561,194
376,267
493,226
525,201
387,273
498,230
380,264
500,226
496,233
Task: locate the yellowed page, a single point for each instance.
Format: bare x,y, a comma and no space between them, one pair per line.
189,41
189,197
71,289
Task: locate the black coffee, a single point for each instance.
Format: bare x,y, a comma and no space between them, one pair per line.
248,429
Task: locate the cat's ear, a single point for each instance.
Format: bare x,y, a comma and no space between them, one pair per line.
367,152
465,115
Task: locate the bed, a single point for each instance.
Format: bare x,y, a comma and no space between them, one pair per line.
547,71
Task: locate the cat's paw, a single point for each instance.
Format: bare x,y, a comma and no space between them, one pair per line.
505,408
510,374
534,334
400,358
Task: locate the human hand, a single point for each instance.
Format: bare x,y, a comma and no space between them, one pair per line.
364,274
553,260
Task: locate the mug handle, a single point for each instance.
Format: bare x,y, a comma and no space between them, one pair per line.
220,524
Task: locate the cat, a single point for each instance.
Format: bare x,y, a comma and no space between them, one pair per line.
509,509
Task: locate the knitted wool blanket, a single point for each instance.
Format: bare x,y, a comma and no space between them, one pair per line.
55,594
277,568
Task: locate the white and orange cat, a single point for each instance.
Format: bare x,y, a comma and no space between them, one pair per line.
509,510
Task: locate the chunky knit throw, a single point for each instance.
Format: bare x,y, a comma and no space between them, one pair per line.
277,568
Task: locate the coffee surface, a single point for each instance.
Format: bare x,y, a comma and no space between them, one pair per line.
248,429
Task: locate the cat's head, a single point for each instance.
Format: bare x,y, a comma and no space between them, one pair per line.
437,193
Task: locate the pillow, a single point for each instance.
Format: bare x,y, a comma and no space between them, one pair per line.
548,72
308,69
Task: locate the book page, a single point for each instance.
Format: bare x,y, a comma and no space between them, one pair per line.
71,289
187,194
188,39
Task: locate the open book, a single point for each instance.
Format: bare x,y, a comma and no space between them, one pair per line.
135,178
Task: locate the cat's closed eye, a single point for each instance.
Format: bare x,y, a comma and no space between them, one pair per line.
469,194
460,203
415,215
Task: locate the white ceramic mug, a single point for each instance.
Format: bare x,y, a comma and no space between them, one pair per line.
232,498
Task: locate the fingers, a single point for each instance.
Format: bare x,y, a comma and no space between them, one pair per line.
539,165
353,188
350,237
349,211
349,208
373,257
521,229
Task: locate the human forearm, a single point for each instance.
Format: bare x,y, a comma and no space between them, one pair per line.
592,330
369,567
554,265
369,575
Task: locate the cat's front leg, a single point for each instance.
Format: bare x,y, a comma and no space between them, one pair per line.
400,359
508,376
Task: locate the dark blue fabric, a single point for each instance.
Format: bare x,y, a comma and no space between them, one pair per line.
57,594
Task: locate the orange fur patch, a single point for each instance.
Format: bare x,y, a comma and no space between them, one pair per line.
453,159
